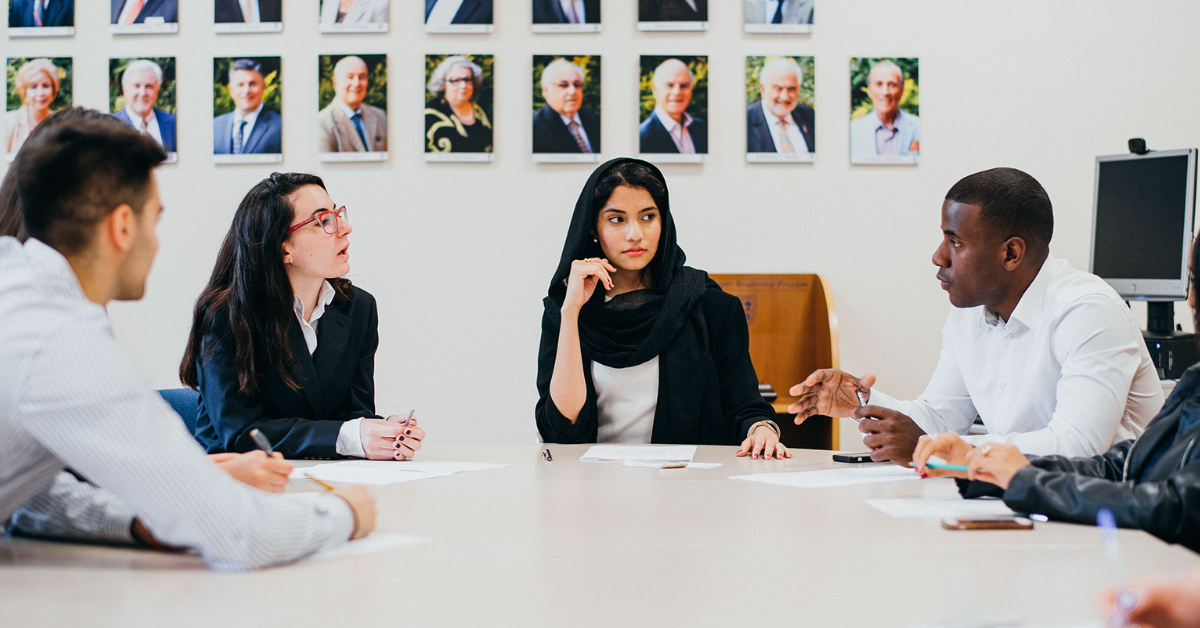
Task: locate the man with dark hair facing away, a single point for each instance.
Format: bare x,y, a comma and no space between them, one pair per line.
1049,357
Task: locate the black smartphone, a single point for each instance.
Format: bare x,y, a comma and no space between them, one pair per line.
863,457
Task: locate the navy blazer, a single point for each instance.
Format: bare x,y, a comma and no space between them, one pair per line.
671,11
59,13
758,134
550,135
168,10
166,126
470,12
551,12
265,137
231,11
337,384
654,138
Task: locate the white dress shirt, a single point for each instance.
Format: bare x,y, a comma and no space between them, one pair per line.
679,133
250,119
349,441
579,125
578,6
626,400
793,131
250,11
692,3
1067,374
71,397
443,12
146,125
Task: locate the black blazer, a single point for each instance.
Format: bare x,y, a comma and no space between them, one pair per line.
168,10
337,384
551,12
758,134
719,413
231,11
20,14
470,12
654,138
550,135
1152,483
671,11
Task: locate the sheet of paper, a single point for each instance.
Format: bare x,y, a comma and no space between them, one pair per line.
658,464
387,471
939,507
376,542
826,478
660,453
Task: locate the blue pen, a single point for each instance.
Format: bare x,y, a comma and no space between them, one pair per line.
946,467
1126,599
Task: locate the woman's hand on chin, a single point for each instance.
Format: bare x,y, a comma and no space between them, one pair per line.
762,442
585,275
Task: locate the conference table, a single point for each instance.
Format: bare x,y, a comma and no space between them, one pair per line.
571,543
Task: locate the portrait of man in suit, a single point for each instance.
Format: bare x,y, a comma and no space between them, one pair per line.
672,10
442,13
777,122
145,11
348,123
141,83
779,11
250,127
563,124
566,11
886,129
247,11
41,13
670,128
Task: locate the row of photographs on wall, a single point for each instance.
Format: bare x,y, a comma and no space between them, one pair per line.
53,18
352,125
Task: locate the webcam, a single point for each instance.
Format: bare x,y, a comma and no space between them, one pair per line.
1137,146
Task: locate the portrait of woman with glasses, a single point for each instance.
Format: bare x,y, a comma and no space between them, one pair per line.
455,118
282,343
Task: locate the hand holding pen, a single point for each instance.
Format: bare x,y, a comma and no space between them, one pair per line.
394,438
408,437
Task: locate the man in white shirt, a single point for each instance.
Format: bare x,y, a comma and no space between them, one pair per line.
71,397
1049,357
140,84
250,127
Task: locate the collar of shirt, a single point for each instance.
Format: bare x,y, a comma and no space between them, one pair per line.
347,110
772,119
151,123
309,327
670,122
44,256
575,118
1031,306
250,118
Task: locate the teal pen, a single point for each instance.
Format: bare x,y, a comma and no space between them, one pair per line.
946,467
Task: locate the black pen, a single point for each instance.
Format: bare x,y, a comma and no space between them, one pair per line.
262,442
547,456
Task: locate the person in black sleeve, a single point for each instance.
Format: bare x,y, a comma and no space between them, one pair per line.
636,347
1151,483
282,343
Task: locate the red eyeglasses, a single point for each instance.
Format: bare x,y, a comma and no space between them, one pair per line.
328,220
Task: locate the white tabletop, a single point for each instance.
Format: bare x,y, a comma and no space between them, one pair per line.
566,543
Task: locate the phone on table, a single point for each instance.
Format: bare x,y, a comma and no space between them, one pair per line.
863,457
987,523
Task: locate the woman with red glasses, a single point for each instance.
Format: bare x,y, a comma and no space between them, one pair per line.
280,342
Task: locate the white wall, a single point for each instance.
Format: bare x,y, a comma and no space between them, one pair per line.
459,255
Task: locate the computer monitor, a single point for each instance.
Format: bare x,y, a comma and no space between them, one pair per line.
1142,223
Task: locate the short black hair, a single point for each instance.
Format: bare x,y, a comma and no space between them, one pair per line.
244,64
1013,203
75,175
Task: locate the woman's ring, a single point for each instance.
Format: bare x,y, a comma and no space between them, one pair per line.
987,449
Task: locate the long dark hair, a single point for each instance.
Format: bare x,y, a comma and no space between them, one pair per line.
249,289
635,175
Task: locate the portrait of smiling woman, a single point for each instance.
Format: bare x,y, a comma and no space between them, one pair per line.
636,347
456,118
282,343
36,87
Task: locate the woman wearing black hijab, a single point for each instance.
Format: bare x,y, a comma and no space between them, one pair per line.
661,354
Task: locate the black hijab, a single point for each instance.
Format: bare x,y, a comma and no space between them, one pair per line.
634,327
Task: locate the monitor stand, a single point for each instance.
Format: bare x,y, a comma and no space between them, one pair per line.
1171,350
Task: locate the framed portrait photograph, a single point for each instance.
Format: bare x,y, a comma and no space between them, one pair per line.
144,17
458,107
885,123
779,16
458,16
141,93
248,16
352,100
566,108
673,109
37,87
41,18
672,15
353,16
780,120
247,110
566,16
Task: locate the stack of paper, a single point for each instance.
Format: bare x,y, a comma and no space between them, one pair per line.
941,507
375,542
826,478
668,453
387,471
658,464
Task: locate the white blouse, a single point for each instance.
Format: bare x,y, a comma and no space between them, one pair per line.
626,400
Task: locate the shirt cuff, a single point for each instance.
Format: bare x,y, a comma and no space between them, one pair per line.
349,441
341,517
